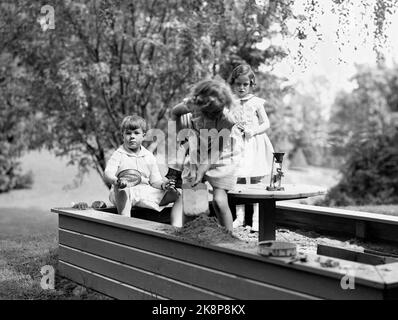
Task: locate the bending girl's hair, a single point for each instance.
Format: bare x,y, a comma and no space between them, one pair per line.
212,96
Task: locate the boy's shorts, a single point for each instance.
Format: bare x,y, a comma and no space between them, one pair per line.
143,196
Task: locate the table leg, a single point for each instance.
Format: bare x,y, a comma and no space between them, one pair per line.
232,206
267,223
249,210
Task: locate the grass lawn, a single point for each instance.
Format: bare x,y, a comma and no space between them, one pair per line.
28,230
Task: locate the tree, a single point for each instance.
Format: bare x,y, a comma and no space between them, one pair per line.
14,108
106,59
365,131
109,58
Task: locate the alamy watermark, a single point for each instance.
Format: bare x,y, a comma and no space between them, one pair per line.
202,146
47,19
47,281
348,281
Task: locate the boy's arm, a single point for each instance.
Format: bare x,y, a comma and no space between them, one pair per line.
111,168
155,178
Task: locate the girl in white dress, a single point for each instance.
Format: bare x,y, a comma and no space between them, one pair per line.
253,120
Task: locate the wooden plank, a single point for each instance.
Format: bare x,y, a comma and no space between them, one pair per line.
213,280
313,222
299,277
138,278
292,191
352,255
335,212
380,231
389,272
103,284
335,222
360,229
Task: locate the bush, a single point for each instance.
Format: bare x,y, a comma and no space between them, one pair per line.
11,176
370,174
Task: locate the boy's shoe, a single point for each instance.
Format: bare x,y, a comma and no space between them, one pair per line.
170,196
173,174
98,205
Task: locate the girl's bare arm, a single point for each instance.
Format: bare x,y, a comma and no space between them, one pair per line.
264,121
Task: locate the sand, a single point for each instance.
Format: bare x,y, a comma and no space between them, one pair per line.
206,230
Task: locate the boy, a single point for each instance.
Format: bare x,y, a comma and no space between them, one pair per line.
133,156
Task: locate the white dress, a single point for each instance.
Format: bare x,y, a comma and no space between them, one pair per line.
258,151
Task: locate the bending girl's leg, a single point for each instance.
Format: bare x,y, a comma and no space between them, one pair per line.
177,215
223,212
123,202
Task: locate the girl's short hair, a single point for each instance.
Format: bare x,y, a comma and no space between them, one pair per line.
211,97
242,69
133,122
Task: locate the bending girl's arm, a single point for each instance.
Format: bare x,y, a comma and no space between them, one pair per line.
264,121
179,110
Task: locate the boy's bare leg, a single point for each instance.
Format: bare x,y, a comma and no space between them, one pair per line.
123,203
221,207
177,215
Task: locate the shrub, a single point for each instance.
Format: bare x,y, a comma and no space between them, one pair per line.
370,173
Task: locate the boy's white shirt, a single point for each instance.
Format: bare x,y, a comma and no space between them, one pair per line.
144,162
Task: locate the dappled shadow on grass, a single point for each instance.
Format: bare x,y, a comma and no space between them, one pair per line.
20,279
29,241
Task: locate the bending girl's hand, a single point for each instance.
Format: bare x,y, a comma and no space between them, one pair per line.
199,178
249,133
121,183
202,169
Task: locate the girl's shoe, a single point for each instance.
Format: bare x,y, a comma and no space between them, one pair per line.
255,221
240,219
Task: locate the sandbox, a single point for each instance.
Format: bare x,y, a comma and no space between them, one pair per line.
135,258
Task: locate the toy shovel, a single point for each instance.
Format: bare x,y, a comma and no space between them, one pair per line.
195,201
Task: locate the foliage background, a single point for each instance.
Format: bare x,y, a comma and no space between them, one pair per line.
66,89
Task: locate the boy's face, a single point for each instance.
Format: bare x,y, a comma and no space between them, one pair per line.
241,86
132,139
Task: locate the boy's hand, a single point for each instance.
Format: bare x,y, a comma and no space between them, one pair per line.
121,183
170,184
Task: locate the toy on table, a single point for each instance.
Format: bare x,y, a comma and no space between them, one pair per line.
276,172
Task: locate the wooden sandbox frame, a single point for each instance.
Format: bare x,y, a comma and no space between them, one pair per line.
130,258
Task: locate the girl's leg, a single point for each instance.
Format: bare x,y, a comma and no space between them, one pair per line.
255,208
123,202
177,215
240,210
223,212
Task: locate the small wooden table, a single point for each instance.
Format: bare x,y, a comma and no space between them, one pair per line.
246,193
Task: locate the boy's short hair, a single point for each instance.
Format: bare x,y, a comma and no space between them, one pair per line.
133,122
